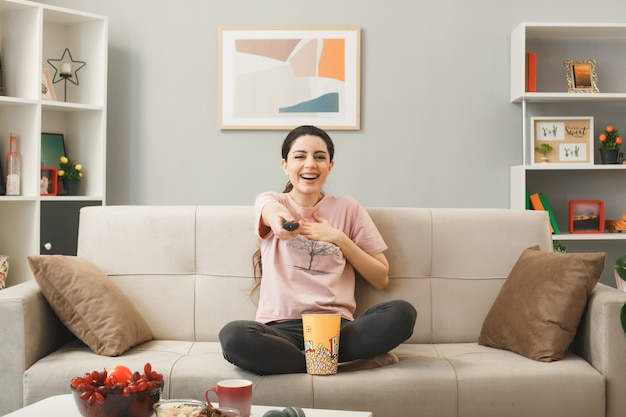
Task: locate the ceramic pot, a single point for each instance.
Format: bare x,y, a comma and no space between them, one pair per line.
72,187
609,156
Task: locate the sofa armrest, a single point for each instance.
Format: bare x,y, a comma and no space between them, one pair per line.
602,342
30,330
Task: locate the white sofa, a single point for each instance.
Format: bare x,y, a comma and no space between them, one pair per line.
188,269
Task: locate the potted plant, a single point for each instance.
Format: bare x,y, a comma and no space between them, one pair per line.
610,142
544,149
71,173
558,247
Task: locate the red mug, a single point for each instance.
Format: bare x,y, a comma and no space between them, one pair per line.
233,393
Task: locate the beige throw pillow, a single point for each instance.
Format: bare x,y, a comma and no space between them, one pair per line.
539,307
89,303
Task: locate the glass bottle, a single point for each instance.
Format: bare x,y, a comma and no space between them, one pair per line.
12,166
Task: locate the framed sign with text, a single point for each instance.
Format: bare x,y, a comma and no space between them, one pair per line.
561,140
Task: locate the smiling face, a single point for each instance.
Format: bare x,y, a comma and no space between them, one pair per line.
308,164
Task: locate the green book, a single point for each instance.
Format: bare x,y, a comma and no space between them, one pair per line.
546,206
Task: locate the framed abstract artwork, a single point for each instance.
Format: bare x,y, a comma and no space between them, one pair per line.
282,77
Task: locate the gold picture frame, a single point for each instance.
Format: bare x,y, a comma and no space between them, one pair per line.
581,76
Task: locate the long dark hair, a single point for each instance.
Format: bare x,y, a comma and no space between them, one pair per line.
292,136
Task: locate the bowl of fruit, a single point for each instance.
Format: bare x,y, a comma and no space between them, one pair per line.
118,392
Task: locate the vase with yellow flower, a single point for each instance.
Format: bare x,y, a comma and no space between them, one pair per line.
71,173
610,142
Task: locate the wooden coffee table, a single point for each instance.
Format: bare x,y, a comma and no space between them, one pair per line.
63,406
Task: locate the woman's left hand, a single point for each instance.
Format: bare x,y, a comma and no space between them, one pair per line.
320,230
374,268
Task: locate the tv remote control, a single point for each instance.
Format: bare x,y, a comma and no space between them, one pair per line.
290,226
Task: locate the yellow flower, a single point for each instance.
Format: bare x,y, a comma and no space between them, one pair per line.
69,169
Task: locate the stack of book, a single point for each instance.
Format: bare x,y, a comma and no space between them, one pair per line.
538,201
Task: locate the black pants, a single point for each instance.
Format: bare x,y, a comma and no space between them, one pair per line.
278,347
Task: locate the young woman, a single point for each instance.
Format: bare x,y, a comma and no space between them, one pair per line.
312,270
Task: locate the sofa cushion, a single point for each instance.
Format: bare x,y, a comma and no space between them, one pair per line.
539,307
89,303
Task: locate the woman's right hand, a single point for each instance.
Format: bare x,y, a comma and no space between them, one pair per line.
274,215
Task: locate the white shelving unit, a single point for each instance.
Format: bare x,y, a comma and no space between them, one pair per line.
563,183
30,34
553,43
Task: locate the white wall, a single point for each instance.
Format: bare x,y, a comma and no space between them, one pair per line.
438,129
